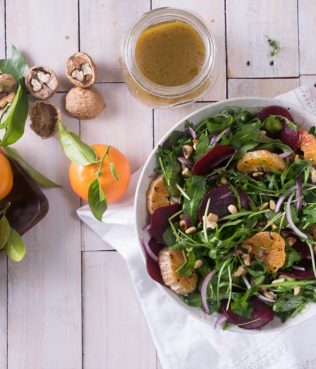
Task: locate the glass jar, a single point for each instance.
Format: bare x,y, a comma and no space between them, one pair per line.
153,94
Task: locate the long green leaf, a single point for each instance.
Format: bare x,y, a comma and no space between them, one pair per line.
37,176
75,149
95,196
15,247
15,119
16,66
5,231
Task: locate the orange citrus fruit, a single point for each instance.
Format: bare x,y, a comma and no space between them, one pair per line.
307,142
82,176
260,160
6,177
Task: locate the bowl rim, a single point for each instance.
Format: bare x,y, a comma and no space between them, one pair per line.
262,102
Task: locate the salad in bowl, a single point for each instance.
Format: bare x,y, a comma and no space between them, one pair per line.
230,222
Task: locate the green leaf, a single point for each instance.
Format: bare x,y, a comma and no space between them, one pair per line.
15,247
218,122
97,206
292,256
202,146
113,171
169,237
16,66
37,176
193,299
196,187
75,149
5,231
274,46
15,118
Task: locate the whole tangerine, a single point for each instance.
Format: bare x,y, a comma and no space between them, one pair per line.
82,176
6,177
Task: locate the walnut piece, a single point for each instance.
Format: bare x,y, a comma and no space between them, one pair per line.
8,87
44,119
84,103
41,82
80,70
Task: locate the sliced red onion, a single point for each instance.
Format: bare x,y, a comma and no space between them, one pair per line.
187,219
290,220
192,132
148,249
219,321
285,154
147,227
299,194
279,203
205,284
213,139
188,163
263,298
296,267
248,285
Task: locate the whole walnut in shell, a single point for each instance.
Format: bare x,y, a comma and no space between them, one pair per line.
80,70
41,82
44,118
84,103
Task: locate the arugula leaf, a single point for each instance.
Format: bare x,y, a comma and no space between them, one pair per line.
169,237
202,145
188,266
96,200
75,149
292,257
37,176
274,46
16,66
5,231
247,134
195,188
15,117
193,299
15,247
241,305
218,122
171,169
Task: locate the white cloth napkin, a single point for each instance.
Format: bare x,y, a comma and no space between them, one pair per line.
183,342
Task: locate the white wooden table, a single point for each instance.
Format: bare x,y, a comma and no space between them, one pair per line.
70,304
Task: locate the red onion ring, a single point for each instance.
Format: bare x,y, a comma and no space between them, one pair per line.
248,285
296,267
221,319
263,298
290,220
205,284
299,194
285,154
192,132
188,163
279,203
148,249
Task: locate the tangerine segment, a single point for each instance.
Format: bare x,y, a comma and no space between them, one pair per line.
268,247
169,262
307,143
260,160
157,194
82,176
6,177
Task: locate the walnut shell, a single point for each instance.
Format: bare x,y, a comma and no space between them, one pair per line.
7,83
80,70
44,119
84,103
41,82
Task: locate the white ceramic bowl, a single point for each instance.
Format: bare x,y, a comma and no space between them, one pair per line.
303,118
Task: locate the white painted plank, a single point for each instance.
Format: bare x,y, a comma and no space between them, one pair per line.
125,124
45,288
166,119
103,24
46,32
2,30
307,31
248,24
261,87
308,80
114,329
212,12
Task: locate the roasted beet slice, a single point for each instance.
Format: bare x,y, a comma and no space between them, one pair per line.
244,199
152,266
274,110
302,248
301,274
212,159
261,315
289,136
160,220
286,135
220,198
